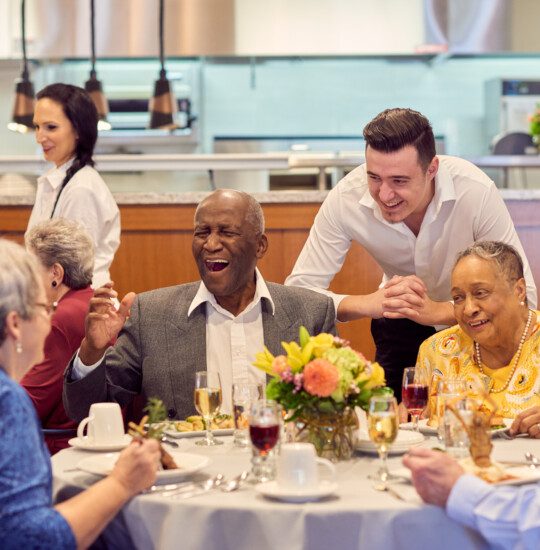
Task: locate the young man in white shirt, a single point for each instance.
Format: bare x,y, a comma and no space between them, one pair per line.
413,211
217,324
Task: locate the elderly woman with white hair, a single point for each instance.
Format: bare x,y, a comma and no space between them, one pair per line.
66,254
27,517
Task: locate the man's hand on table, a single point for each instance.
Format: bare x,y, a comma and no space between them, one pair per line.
103,322
433,474
527,422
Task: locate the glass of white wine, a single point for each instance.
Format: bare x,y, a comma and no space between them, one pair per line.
382,429
207,402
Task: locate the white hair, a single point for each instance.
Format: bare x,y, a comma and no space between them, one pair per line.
67,243
19,283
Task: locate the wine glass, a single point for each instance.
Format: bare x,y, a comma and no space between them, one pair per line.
243,394
207,402
382,430
414,392
264,428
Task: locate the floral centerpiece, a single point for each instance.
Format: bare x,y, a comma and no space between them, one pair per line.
319,382
534,125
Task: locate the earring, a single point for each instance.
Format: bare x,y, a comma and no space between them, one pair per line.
521,303
18,347
54,283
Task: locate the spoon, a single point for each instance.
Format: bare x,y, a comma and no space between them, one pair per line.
532,459
235,483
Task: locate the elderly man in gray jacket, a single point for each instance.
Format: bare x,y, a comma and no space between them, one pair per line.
219,323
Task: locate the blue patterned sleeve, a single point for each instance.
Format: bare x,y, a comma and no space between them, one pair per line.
27,518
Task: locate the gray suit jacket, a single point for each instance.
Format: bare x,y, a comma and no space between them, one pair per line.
160,349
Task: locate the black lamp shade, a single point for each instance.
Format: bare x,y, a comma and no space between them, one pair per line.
95,91
163,106
23,108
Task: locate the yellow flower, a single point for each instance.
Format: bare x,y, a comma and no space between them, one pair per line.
322,342
376,377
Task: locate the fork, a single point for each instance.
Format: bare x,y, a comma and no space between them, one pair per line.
192,489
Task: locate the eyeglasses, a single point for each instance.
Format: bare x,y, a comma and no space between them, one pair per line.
49,308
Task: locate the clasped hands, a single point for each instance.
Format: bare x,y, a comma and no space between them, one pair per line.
406,298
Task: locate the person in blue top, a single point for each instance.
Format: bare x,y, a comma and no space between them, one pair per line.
27,517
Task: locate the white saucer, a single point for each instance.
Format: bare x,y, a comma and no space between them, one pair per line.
87,445
271,489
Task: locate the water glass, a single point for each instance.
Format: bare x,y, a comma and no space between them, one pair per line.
448,390
243,395
265,418
456,438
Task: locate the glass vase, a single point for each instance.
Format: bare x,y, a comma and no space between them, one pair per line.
332,433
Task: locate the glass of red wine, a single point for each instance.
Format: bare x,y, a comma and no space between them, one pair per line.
414,393
264,429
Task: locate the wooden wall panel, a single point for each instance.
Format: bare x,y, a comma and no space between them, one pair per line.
156,249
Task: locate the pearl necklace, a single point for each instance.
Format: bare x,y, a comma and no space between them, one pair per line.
478,357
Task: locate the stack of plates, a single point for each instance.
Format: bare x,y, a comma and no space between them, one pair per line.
404,441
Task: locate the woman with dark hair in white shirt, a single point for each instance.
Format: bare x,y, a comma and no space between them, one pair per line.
66,120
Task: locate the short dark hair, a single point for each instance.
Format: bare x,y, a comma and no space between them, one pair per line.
396,128
505,256
82,113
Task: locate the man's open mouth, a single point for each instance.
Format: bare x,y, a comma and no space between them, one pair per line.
216,265
393,205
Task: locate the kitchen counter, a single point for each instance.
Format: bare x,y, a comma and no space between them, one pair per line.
270,197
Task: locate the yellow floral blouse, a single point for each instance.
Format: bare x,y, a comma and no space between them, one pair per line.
523,391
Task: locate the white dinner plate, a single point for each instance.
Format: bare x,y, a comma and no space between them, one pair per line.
422,427
272,490
188,464
87,444
404,441
523,474
429,430
181,435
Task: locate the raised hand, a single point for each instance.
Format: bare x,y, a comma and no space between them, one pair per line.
103,322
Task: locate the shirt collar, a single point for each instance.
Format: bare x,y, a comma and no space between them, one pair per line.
204,295
55,176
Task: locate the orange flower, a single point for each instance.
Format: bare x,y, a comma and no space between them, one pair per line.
320,377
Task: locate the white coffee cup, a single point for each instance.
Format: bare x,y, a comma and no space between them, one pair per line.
105,424
297,467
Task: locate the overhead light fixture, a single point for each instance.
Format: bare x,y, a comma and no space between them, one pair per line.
163,105
93,85
23,108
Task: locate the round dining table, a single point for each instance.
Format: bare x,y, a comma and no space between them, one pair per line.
356,516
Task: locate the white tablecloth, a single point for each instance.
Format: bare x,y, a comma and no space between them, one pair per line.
356,517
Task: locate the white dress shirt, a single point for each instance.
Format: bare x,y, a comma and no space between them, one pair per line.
87,200
507,517
466,207
231,342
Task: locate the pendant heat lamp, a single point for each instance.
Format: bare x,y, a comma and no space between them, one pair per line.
163,104
23,108
93,85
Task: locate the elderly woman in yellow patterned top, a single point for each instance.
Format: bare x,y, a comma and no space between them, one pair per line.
497,336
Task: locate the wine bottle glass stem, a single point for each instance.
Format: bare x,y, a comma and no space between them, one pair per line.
415,418
383,471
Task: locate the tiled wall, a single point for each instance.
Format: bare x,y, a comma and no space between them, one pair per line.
330,97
